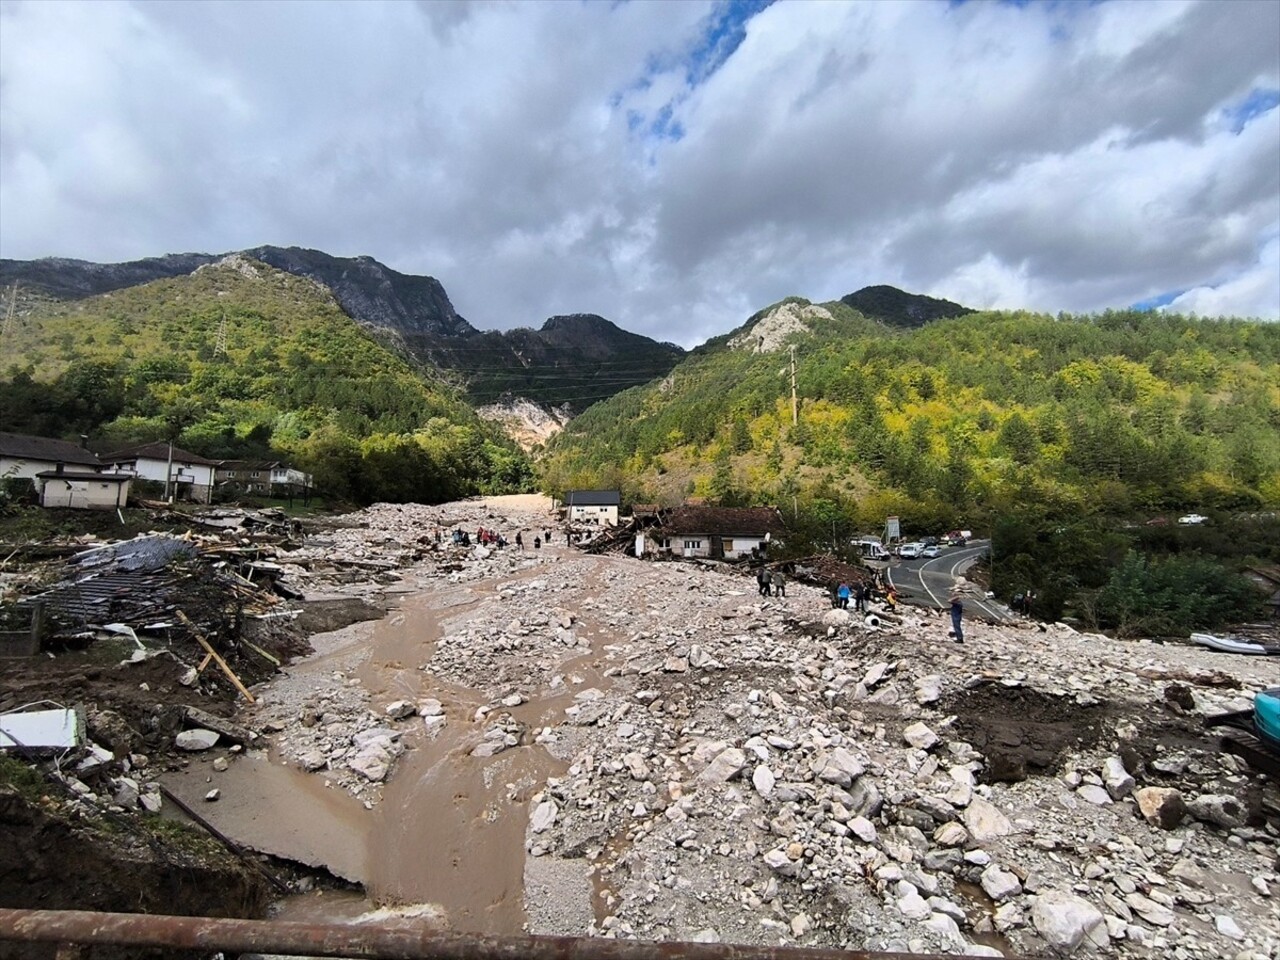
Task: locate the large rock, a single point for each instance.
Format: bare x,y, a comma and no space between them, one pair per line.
984,822
1066,922
1161,807
1219,809
727,765
1000,884
1156,914
372,762
763,780
195,740
1116,777
920,736
400,709
781,864
928,689
544,816
836,618
838,766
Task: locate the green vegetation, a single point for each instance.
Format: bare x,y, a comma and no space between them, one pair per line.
1060,435
250,362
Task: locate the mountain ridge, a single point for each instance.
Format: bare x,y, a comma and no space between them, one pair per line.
413,314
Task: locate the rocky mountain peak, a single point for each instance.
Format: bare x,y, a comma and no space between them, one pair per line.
770,332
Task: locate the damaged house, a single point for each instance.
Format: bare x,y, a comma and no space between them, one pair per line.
717,533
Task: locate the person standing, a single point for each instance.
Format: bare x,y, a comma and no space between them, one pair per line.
766,581
780,584
957,612
520,541
760,581
843,594
537,542
860,597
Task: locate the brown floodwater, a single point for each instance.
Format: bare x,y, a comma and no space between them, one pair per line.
450,829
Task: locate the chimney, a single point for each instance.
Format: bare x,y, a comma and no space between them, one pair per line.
57,467
84,441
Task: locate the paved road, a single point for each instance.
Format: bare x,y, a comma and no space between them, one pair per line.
930,581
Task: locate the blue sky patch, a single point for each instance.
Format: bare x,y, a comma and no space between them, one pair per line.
1254,105
1156,302
726,31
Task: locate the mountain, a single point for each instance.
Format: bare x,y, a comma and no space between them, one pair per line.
370,292
1125,411
897,308
247,360
570,362
66,279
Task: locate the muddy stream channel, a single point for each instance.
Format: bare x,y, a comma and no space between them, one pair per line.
449,830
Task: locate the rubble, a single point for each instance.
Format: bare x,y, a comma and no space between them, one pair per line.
747,769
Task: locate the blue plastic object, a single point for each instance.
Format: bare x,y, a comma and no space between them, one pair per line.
1266,715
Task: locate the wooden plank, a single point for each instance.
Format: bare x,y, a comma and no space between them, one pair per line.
216,658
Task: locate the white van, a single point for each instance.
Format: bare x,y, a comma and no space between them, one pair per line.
911,551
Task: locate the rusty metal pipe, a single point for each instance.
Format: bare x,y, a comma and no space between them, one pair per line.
386,940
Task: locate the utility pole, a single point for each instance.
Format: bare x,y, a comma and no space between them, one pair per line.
795,409
168,472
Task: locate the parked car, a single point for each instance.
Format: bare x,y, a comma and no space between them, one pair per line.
910,551
930,551
1192,518
930,541
956,538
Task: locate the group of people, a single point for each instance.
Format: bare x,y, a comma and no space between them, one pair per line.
771,582
862,592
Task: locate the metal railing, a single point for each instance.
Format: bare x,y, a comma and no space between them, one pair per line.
384,940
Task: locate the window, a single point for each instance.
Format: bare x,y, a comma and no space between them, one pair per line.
693,544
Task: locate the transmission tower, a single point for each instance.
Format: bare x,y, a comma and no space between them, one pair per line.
8,317
220,344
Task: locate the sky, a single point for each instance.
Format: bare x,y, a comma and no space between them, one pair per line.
673,166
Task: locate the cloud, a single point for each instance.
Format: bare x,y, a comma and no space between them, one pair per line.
673,167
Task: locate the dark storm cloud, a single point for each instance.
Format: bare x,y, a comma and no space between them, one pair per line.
671,166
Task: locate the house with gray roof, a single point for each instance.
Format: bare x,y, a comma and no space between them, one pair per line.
190,474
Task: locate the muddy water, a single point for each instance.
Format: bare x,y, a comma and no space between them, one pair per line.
280,810
450,829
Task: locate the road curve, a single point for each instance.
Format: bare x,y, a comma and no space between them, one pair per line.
930,581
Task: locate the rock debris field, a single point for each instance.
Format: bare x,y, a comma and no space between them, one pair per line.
726,767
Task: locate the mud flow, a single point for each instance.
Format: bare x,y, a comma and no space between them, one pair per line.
1021,731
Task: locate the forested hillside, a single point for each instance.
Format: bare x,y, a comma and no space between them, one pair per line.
239,359
1032,421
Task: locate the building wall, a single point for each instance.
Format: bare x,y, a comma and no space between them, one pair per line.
699,545
27,469
195,480
608,515
83,494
